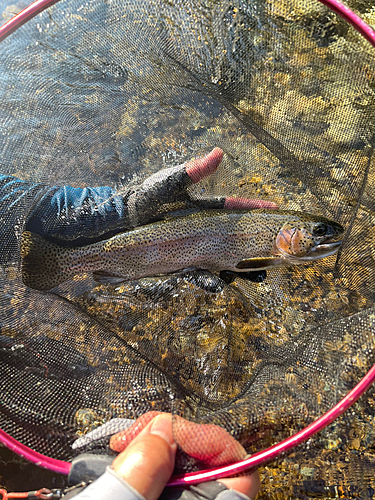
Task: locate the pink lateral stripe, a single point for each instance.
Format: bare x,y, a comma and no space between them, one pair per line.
200,168
33,456
275,451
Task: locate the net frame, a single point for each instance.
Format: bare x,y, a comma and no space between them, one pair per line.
274,451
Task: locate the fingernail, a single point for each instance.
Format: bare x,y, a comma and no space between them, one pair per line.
162,427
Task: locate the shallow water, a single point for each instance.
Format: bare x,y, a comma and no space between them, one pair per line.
93,117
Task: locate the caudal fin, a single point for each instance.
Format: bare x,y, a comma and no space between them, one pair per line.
43,263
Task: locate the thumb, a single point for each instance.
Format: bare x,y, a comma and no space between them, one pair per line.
147,462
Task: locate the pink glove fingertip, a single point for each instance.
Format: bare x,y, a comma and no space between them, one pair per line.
200,168
245,203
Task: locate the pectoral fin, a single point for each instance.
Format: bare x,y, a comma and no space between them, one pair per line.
254,276
261,263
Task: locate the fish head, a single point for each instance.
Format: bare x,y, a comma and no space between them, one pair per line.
307,239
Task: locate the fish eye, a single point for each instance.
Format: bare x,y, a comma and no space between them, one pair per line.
320,230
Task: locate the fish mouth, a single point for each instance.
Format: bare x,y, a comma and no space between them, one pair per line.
321,250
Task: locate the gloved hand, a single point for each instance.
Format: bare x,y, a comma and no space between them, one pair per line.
151,440
79,216
147,457
73,216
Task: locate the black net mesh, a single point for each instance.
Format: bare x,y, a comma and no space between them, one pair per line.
105,93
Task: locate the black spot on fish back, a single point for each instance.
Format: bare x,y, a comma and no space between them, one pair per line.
40,262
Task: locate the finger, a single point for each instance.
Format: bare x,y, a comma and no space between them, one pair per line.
167,185
202,167
208,443
120,441
175,179
148,461
231,203
248,485
245,203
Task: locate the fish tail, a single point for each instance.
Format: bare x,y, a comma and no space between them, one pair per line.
44,264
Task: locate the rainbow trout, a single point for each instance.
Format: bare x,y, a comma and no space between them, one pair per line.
231,240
